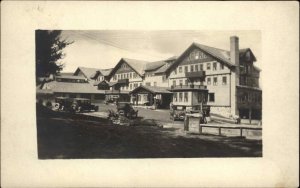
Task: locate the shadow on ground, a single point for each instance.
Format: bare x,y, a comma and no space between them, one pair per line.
75,136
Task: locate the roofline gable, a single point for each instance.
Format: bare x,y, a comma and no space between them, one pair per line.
113,71
192,46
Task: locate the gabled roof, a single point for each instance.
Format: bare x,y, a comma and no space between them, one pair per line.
154,65
70,87
70,77
152,89
65,74
172,58
244,51
137,65
219,54
105,72
87,72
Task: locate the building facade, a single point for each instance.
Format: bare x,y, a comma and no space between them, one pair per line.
229,76
228,81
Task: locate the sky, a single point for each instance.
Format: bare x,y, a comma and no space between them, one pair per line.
104,48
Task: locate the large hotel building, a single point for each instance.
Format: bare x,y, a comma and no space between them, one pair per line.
230,78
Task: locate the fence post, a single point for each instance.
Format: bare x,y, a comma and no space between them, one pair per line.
241,131
219,131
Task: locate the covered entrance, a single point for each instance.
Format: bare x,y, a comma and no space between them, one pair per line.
159,97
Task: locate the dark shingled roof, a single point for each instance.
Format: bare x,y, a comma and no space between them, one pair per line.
154,65
69,87
137,65
222,55
88,72
153,89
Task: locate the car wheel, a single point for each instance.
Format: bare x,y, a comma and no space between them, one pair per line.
78,109
56,106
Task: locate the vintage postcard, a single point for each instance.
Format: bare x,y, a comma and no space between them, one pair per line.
149,94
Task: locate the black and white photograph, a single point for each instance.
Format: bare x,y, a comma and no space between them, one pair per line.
148,94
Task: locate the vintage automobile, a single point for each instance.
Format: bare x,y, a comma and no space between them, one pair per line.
126,109
177,112
83,104
62,104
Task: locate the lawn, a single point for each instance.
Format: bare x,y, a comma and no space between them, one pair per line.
62,135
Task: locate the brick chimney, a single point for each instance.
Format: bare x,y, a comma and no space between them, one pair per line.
235,74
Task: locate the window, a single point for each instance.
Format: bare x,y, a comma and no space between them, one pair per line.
134,75
180,97
208,81
186,82
224,80
192,68
175,71
175,97
180,82
215,81
208,66
99,97
185,96
186,69
154,83
148,83
214,66
221,66
196,68
130,86
211,97
115,77
180,69
140,84
201,67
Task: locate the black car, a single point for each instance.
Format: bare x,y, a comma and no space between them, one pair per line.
62,104
177,112
83,104
126,109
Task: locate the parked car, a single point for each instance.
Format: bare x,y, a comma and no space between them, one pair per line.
126,109
83,104
109,101
177,112
62,103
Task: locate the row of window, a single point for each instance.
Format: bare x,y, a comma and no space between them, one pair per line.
100,78
208,81
149,84
197,67
71,80
249,81
131,86
180,97
249,97
197,55
125,76
183,97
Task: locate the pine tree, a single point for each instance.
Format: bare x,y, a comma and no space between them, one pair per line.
49,50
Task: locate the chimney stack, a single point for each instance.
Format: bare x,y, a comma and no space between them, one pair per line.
235,73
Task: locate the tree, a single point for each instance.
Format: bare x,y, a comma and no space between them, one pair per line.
49,50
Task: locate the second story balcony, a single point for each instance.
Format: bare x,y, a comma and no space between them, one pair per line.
190,87
123,81
195,75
